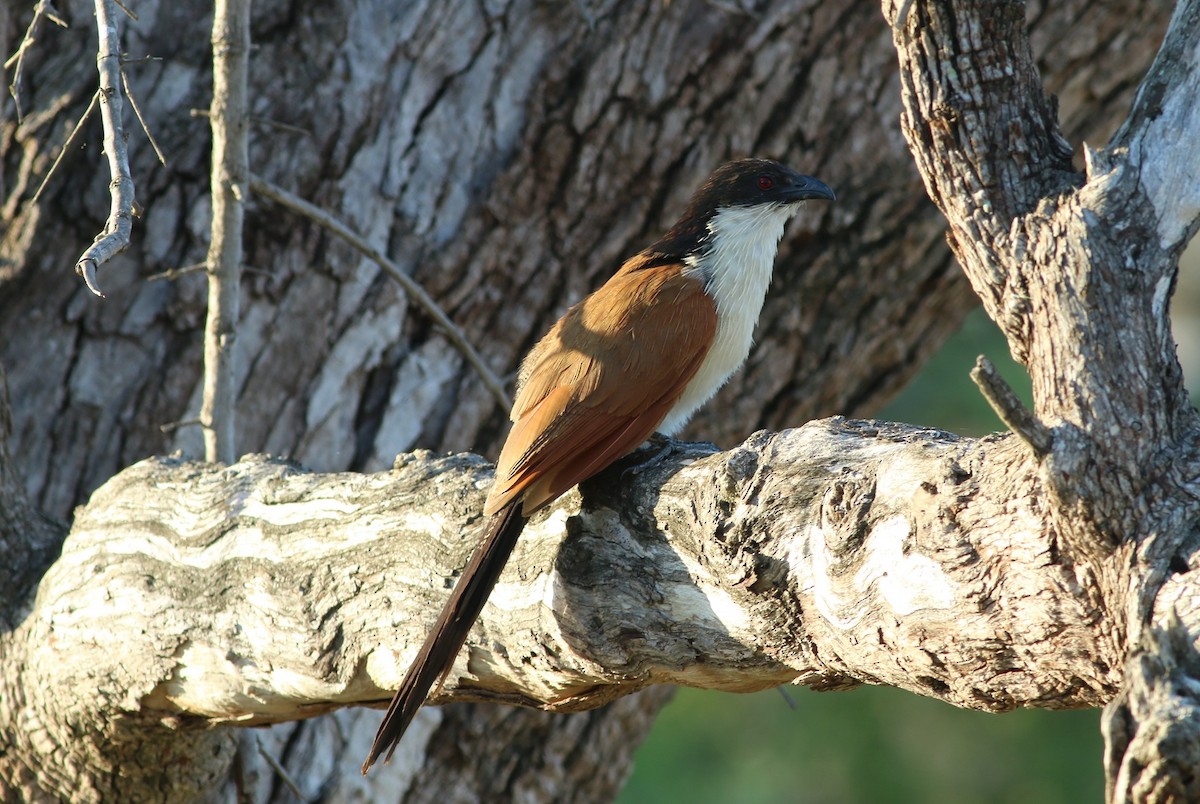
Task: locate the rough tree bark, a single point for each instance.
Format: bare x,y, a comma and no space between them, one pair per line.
509,155
1078,269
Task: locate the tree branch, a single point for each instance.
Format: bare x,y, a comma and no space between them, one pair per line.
230,169
17,60
414,290
162,159
1160,132
968,550
1008,407
1052,263
837,554
1078,271
65,148
115,237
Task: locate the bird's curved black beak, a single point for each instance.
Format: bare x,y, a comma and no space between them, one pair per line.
804,188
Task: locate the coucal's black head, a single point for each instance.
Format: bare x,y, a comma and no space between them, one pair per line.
748,182
740,183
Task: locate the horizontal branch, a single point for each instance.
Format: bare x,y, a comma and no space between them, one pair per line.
832,555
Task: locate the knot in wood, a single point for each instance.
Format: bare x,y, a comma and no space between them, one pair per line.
943,118
844,509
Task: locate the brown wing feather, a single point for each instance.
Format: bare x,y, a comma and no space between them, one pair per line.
601,381
593,389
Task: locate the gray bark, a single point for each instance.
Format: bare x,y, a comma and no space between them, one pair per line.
229,116
1078,268
508,156
834,554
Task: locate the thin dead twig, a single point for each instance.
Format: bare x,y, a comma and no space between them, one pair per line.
66,146
414,290
128,12
261,121
171,427
171,274
42,9
138,112
115,237
281,772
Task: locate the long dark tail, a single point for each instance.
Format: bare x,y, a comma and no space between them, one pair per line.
450,632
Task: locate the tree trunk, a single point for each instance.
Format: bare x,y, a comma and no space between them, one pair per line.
1078,267
508,158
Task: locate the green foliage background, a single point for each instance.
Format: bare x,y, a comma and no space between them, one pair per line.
877,745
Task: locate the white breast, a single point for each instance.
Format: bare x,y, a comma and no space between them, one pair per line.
736,273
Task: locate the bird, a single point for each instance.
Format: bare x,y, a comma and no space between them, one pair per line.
637,356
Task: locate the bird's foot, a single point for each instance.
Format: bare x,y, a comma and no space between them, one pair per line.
657,449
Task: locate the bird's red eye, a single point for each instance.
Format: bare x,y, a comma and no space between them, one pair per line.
765,182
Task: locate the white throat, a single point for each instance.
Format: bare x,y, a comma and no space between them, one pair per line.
736,273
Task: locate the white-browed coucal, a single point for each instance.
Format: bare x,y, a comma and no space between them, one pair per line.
637,356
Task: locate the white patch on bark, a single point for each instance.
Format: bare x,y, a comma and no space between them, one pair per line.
809,562
704,603
1173,183
1162,294
907,581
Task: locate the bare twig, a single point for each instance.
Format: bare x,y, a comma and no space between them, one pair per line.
66,147
129,13
171,274
115,237
140,60
231,50
171,427
137,111
261,121
42,9
414,290
1009,408
279,125
281,771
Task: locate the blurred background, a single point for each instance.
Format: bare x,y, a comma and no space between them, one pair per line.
878,744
